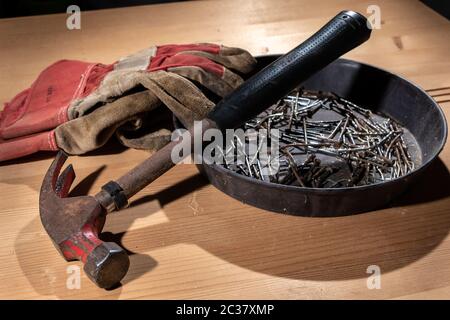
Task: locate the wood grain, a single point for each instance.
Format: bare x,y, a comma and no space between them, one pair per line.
189,239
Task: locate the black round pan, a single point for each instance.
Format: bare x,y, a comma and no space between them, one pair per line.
372,88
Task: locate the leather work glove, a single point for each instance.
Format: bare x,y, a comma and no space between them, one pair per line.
77,106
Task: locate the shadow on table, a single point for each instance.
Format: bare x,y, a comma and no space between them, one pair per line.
112,147
323,249
434,184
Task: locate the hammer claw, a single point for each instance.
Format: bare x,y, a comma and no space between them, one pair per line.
64,181
51,177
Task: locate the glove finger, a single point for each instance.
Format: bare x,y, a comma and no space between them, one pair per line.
168,50
151,132
93,130
151,141
180,95
232,58
220,85
209,73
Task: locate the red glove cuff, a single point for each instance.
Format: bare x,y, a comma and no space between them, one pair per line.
23,146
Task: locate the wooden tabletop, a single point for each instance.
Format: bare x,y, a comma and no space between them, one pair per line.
192,241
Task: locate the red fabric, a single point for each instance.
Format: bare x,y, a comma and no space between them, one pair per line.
19,147
96,75
181,60
171,49
13,110
171,56
44,105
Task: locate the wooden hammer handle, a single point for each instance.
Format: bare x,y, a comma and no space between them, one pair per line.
152,168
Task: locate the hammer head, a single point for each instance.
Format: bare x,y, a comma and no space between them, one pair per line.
73,224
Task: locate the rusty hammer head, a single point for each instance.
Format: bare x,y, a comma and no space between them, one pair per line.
74,223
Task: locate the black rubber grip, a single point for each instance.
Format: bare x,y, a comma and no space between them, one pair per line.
344,32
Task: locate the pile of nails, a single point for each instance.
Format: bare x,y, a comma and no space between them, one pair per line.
345,146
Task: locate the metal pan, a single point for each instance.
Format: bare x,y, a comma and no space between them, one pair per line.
373,88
